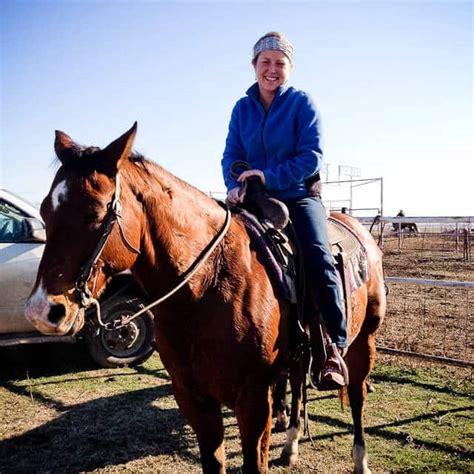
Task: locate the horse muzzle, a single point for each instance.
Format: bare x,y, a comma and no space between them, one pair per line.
54,315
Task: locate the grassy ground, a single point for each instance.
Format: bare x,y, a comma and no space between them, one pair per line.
59,414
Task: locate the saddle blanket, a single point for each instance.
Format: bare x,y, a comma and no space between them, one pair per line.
278,255
343,240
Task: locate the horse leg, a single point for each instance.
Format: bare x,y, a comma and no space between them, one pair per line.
279,403
361,358
289,455
359,365
205,417
254,417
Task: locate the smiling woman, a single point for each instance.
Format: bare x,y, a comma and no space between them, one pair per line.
273,62
275,133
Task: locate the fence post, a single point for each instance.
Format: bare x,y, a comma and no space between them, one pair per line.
399,235
457,238
467,245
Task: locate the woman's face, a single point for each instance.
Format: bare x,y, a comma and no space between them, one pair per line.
272,69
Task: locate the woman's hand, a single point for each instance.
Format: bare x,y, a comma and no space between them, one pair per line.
233,196
248,173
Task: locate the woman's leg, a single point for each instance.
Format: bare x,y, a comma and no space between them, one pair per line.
309,220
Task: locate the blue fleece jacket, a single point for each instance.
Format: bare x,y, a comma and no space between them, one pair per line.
283,142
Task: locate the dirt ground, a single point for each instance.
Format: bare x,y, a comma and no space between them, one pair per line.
427,256
427,319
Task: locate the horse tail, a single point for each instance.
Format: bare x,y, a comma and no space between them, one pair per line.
374,222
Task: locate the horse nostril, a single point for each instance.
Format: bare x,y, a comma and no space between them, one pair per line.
56,313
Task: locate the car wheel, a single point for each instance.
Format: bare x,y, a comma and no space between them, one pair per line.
118,345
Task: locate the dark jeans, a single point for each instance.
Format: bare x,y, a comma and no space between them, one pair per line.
309,220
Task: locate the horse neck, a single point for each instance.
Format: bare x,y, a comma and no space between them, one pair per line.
179,221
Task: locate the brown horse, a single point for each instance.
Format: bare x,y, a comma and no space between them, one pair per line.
223,337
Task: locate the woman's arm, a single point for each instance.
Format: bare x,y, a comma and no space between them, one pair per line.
233,150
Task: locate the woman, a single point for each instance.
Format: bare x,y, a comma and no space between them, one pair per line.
275,129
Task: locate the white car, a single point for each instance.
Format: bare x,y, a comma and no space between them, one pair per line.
22,239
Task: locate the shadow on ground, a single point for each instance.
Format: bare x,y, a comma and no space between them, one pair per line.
103,432
41,360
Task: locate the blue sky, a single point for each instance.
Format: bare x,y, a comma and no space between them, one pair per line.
393,81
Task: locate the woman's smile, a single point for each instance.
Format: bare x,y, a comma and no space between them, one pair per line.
272,69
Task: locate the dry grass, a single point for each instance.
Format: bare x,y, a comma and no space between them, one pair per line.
430,320
65,416
427,256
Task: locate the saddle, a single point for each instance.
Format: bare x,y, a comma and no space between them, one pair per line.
278,250
351,261
277,247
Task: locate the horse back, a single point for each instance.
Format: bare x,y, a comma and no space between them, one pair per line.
369,300
374,254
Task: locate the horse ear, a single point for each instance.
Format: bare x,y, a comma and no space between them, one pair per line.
63,145
119,150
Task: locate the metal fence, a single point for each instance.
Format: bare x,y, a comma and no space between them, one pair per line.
453,233
430,277
430,319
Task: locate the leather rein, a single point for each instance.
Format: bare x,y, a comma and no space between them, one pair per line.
114,217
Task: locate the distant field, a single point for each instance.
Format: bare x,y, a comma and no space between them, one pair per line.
430,320
432,257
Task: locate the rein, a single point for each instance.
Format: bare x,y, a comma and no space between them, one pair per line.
113,217
197,264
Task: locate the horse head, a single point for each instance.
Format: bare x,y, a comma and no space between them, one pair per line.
82,212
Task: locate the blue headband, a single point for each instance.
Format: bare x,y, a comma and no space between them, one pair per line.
276,44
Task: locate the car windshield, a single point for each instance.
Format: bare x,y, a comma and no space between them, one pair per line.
11,218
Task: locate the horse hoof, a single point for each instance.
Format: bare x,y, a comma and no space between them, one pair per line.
363,471
288,459
280,426
359,456
370,388
281,423
289,455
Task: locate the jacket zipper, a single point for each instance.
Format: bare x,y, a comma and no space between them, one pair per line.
265,116
261,135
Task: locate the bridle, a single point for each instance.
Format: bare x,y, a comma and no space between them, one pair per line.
114,217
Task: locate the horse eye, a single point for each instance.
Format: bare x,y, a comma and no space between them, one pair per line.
91,217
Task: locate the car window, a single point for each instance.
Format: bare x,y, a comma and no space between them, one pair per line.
11,218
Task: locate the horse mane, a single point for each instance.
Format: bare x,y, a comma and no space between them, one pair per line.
153,170
186,210
79,158
163,196
76,157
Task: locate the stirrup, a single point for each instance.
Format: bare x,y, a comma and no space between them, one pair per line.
317,381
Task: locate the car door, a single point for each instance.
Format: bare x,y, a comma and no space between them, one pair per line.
19,261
